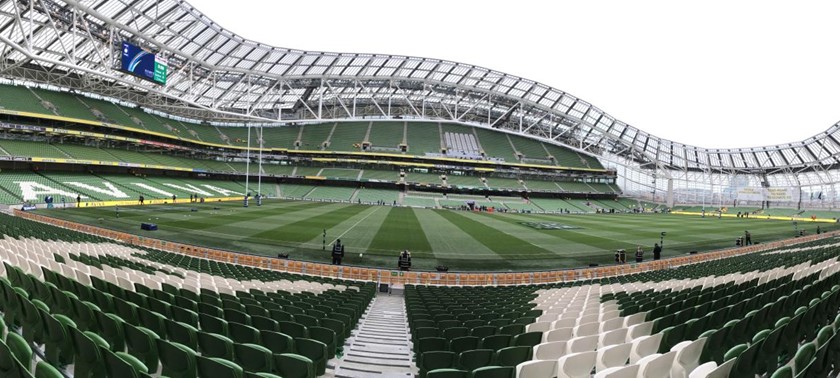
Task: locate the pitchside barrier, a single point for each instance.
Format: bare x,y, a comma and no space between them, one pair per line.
710,214
134,202
390,277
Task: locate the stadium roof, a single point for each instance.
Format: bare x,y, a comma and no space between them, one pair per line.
215,74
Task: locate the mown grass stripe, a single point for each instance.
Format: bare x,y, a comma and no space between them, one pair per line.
309,228
231,219
449,242
401,230
587,240
497,241
356,232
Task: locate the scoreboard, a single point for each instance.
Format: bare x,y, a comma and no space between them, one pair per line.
143,64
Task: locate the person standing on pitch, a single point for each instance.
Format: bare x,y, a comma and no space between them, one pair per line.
640,254
404,262
747,238
337,252
657,251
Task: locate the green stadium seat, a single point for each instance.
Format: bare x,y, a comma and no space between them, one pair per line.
314,350
185,316
746,363
804,356
447,373
290,365
512,329
783,372
152,321
10,366
126,311
277,342
528,339
461,344
429,361
264,324
326,336
33,324
88,361
121,364
20,348
209,323
242,333
474,358
493,372
181,333
293,329
58,344
178,361
44,370
454,332
218,368
254,358
483,331
142,344
215,345
337,327
111,329
512,356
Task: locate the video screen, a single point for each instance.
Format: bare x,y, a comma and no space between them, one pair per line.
143,64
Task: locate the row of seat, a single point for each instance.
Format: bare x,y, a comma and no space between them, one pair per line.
676,333
83,315
638,323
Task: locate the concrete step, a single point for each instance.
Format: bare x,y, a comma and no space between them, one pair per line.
381,344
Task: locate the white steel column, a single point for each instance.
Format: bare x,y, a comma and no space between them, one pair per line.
259,171
247,164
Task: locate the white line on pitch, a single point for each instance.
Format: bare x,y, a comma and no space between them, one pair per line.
355,224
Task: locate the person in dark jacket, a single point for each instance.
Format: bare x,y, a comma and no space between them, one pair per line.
657,251
337,252
404,262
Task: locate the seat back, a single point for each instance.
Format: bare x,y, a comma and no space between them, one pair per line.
512,356
550,350
687,358
537,369
644,346
612,356
576,364
657,367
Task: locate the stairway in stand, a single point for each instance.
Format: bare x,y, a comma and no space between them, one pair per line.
381,345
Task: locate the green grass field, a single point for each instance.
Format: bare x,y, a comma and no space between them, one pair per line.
464,241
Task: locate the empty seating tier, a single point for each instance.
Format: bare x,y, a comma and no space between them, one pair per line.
107,309
748,315
461,141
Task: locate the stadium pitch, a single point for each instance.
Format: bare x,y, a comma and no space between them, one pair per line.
461,240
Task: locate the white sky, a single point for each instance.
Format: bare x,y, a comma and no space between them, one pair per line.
711,73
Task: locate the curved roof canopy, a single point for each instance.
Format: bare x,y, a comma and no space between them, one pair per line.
217,75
